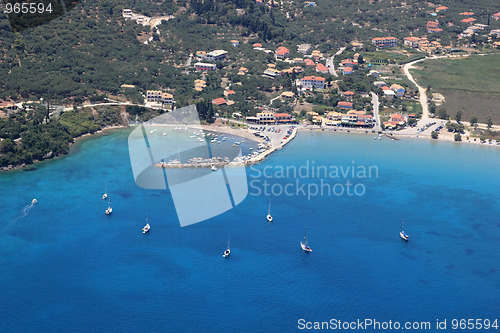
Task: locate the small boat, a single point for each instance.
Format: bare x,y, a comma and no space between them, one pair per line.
109,210
147,226
153,131
214,168
34,201
269,217
402,233
105,195
303,244
228,250
164,133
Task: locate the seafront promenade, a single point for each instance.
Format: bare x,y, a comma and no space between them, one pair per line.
269,141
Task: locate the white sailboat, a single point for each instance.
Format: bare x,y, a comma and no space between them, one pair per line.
228,250
269,217
214,168
105,195
147,226
109,210
303,244
402,233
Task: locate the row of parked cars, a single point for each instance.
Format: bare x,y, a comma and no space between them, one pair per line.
263,129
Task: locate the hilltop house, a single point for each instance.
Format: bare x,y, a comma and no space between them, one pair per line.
496,16
322,68
217,55
345,105
304,48
385,42
398,90
282,52
309,82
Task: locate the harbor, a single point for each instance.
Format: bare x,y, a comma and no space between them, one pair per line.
268,139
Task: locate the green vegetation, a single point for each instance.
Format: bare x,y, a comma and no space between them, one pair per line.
31,135
470,85
434,135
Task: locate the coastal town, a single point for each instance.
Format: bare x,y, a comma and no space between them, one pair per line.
363,86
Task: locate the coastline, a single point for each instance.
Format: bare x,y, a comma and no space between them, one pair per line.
248,134
443,136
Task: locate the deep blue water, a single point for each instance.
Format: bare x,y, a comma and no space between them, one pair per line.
67,267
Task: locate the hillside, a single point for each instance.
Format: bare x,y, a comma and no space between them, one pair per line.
93,49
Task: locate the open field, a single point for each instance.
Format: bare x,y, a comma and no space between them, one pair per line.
470,85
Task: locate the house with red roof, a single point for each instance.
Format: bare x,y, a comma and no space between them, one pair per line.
347,70
283,118
313,81
219,101
257,45
396,117
322,68
431,30
468,20
466,14
345,105
432,24
282,52
348,94
228,93
496,16
441,9
309,63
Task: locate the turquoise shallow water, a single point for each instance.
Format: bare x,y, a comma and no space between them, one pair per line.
68,267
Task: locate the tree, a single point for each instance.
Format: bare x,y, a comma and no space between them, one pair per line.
489,122
473,120
434,135
458,117
458,137
443,114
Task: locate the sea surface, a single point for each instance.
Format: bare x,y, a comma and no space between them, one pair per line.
67,267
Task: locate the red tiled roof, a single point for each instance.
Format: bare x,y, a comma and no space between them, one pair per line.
442,8
313,78
385,88
348,93
497,14
257,45
348,69
230,92
467,13
344,104
282,115
282,50
219,101
468,20
435,29
432,24
396,116
309,62
321,68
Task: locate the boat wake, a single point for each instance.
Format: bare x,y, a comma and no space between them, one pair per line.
26,210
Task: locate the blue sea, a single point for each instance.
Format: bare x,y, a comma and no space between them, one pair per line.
67,267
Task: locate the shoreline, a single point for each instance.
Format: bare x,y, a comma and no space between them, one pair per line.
443,136
248,134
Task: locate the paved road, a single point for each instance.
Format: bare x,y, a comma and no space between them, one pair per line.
329,61
376,116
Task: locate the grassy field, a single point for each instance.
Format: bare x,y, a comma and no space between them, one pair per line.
470,85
